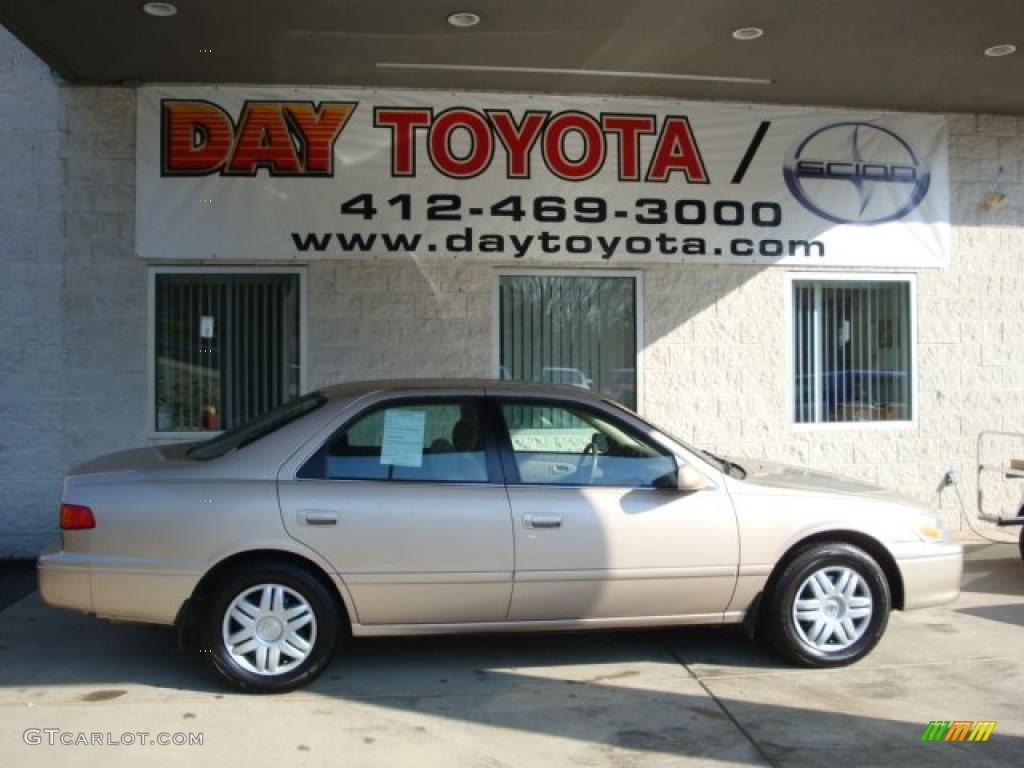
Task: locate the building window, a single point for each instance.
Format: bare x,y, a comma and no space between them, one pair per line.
227,347
579,330
852,351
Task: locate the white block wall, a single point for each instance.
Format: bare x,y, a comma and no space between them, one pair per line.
73,317
72,294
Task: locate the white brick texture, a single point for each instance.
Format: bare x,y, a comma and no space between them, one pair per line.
72,293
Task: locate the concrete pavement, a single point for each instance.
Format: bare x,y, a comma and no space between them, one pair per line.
623,699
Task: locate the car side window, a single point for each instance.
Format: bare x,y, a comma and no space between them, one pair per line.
421,441
560,444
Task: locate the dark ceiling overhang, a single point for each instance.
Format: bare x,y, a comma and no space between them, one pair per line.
918,55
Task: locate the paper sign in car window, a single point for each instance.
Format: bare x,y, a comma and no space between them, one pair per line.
402,445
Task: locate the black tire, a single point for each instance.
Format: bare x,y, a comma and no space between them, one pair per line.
1021,543
323,632
790,637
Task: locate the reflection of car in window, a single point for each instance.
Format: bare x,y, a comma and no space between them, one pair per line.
858,394
572,377
621,385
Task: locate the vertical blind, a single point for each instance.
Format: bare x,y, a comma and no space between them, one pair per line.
571,330
227,348
852,351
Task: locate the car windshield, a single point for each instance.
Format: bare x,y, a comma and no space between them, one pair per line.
259,427
721,464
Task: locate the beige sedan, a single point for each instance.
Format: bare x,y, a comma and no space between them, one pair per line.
390,508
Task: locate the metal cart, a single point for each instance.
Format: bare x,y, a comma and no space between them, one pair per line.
1011,469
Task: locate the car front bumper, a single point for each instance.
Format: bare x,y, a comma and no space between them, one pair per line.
931,574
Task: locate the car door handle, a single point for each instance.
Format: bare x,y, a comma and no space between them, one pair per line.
318,517
562,469
542,521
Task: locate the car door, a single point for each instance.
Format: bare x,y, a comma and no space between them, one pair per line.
406,500
601,529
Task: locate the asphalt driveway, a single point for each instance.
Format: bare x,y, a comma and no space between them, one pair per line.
668,697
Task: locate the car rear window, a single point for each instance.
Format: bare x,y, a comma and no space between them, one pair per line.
259,427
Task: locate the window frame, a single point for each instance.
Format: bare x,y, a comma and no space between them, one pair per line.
495,476
507,452
638,322
152,432
822,276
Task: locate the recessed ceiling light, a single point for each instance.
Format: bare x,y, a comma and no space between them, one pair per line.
160,9
747,33
464,19
1000,50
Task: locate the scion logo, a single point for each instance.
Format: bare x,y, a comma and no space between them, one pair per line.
856,173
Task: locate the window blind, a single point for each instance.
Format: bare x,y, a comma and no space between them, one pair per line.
852,351
227,348
577,331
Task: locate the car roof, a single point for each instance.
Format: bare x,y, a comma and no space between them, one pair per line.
353,389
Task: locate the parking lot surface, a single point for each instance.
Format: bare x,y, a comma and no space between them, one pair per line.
641,698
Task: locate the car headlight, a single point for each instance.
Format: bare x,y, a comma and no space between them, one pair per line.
928,527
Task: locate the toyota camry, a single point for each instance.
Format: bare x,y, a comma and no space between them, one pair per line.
426,507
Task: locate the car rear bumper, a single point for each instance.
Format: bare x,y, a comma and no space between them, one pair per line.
115,588
64,580
931,575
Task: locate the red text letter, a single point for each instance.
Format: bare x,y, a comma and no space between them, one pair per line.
628,129
263,141
592,157
196,137
518,139
402,122
677,151
481,143
319,129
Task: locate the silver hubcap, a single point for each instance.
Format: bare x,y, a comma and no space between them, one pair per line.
832,609
269,629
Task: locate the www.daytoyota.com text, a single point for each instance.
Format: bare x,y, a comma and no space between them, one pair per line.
577,214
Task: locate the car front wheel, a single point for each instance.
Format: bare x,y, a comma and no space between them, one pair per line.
270,627
829,607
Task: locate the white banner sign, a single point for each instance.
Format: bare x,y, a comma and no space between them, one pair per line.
283,173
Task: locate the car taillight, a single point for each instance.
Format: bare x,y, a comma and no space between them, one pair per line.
75,517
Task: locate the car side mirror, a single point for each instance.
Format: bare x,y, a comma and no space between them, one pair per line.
689,479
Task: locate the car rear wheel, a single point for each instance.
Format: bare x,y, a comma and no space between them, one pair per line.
829,606
270,627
